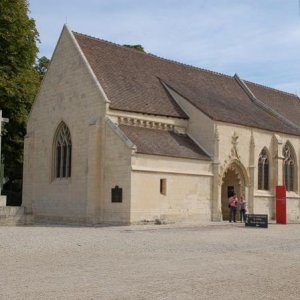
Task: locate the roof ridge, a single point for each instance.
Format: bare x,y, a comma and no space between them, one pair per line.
155,56
263,105
184,64
271,88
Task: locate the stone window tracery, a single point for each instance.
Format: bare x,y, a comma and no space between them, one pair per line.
62,152
288,167
263,170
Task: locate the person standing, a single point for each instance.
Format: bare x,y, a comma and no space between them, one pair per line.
233,202
242,210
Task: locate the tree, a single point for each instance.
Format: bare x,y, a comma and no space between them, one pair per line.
19,79
42,66
136,47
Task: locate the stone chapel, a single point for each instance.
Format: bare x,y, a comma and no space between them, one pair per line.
119,136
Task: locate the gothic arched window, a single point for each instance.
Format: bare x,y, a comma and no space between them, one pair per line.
62,152
263,170
288,167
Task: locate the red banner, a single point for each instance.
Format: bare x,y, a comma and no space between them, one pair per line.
281,204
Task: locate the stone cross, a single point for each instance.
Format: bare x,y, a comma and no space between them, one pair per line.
2,120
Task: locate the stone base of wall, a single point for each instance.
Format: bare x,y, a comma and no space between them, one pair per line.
14,215
76,221
84,221
41,219
2,200
174,218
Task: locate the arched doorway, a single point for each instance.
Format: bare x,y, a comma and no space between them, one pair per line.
234,180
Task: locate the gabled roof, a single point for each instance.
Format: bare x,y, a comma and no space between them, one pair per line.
286,104
132,81
162,142
128,78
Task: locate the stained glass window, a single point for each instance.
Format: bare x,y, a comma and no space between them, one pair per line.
263,170
288,167
63,152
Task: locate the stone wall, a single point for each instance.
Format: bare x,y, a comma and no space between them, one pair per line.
200,127
188,189
250,143
102,158
117,167
68,93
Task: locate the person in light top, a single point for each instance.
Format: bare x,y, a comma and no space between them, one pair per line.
232,204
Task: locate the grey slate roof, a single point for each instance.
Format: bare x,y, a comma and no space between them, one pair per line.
162,142
132,82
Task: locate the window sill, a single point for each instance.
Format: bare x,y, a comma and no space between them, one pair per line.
66,180
292,195
269,194
263,193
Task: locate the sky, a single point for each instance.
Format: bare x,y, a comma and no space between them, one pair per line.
257,39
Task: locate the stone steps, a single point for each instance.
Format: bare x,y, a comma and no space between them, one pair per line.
14,215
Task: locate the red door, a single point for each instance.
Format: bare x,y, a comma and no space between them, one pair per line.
281,204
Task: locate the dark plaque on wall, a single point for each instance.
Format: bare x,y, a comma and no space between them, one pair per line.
254,220
116,194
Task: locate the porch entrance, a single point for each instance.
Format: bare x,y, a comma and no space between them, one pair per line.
233,182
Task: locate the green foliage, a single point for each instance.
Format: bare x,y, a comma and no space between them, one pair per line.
136,47
18,36
19,79
42,66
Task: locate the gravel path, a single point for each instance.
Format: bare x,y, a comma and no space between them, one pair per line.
215,261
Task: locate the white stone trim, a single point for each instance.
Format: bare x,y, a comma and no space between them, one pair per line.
262,105
168,171
200,146
264,193
169,89
89,68
120,133
115,114
292,194
144,123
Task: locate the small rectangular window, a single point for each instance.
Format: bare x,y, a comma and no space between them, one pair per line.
116,194
163,186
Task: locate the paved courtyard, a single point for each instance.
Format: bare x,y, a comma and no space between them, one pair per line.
215,261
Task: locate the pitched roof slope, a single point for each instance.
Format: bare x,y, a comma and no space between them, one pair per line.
161,142
231,106
286,104
128,78
132,82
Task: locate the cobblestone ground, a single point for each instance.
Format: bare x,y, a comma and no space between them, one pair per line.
215,261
